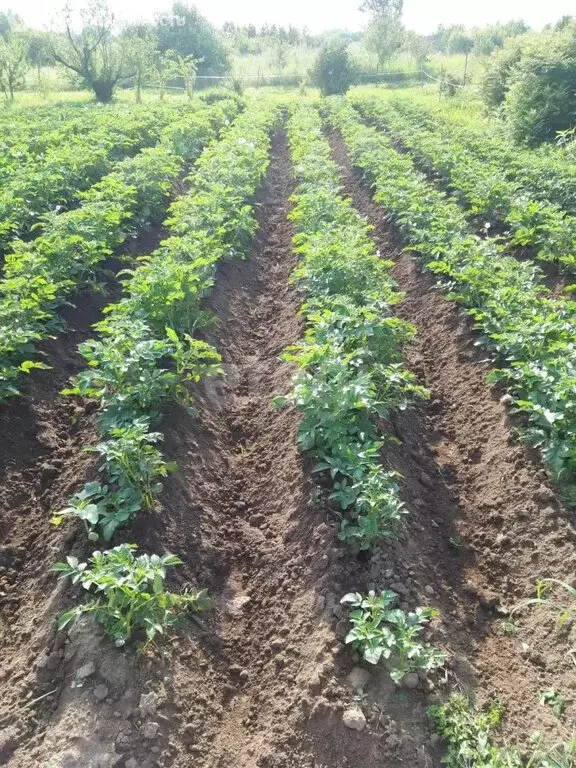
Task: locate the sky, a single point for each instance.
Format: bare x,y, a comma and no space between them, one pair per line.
319,15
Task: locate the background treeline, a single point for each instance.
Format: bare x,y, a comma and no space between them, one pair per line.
528,77
93,51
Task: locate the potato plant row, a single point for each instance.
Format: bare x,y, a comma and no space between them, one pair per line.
28,134
145,351
350,379
546,173
73,165
533,336
483,185
351,375
39,275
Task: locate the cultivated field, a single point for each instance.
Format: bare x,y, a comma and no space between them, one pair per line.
288,437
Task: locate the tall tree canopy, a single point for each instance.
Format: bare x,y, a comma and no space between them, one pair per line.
186,32
385,33
93,52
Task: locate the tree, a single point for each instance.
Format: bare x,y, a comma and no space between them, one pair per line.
488,39
460,42
384,37
385,33
565,22
9,21
280,56
39,53
13,64
187,33
164,69
93,53
333,71
417,46
139,52
392,8
187,67
440,38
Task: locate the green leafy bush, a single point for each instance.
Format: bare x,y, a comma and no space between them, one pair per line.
498,69
540,100
333,71
533,78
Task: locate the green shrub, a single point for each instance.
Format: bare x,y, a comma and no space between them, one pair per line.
333,71
494,82
533,78
540,100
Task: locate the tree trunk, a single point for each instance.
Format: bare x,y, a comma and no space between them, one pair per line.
103,90
465,67
138,92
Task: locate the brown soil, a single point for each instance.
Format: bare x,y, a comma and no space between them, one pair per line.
465,476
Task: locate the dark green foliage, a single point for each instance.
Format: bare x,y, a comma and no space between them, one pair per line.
541,98
494,82
333,71
186,32
533,78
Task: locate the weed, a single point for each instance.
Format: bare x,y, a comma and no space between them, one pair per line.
469,739
554,700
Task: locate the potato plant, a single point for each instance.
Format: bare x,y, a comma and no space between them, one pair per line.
128,595
382,633
483,186
40,275
546,173
73,163
145,351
